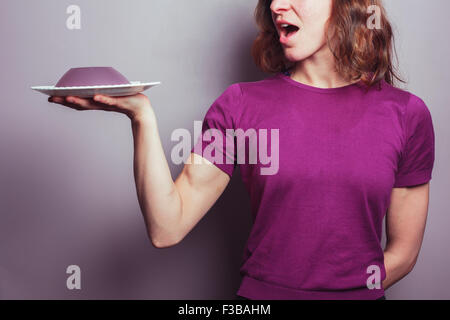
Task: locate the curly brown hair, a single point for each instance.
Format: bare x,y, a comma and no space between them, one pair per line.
360,52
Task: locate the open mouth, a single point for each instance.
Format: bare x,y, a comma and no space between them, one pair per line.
286,32
288,29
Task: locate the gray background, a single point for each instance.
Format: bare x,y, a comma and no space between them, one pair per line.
67,193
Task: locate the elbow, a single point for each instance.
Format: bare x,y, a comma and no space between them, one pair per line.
164,242
407,263
161,244
410,263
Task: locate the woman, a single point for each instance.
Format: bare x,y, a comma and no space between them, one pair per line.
351,149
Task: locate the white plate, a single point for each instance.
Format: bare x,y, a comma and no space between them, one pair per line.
88,92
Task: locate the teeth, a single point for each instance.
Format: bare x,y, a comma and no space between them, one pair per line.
284,25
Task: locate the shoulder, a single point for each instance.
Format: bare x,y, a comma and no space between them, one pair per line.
409,104
239,91
240,94
260,88
414,113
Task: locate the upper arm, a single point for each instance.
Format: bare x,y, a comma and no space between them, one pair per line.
408,209
416,162
199,186
212,160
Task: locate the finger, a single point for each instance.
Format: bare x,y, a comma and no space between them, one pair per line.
56,99
64,100
111,101
74,103
73,106
85,103
81,104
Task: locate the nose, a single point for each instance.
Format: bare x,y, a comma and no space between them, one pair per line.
278,6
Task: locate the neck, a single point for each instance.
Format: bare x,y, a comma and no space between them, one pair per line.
318,70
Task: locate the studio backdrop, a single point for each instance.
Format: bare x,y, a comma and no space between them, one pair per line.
67,192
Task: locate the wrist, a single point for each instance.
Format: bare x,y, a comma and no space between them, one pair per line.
143,117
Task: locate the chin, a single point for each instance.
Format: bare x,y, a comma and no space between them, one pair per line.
296,55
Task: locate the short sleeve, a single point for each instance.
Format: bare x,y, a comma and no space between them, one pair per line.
417,159
216,142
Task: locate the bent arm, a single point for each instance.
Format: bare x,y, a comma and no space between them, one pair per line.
171,209
405,227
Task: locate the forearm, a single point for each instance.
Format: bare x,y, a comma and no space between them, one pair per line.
157,194
405,227
397,266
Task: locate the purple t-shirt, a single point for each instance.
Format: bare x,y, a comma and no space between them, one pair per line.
318,213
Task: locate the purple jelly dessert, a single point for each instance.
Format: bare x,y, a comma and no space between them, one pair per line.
91,76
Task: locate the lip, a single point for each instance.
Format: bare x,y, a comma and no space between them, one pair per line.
284,39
